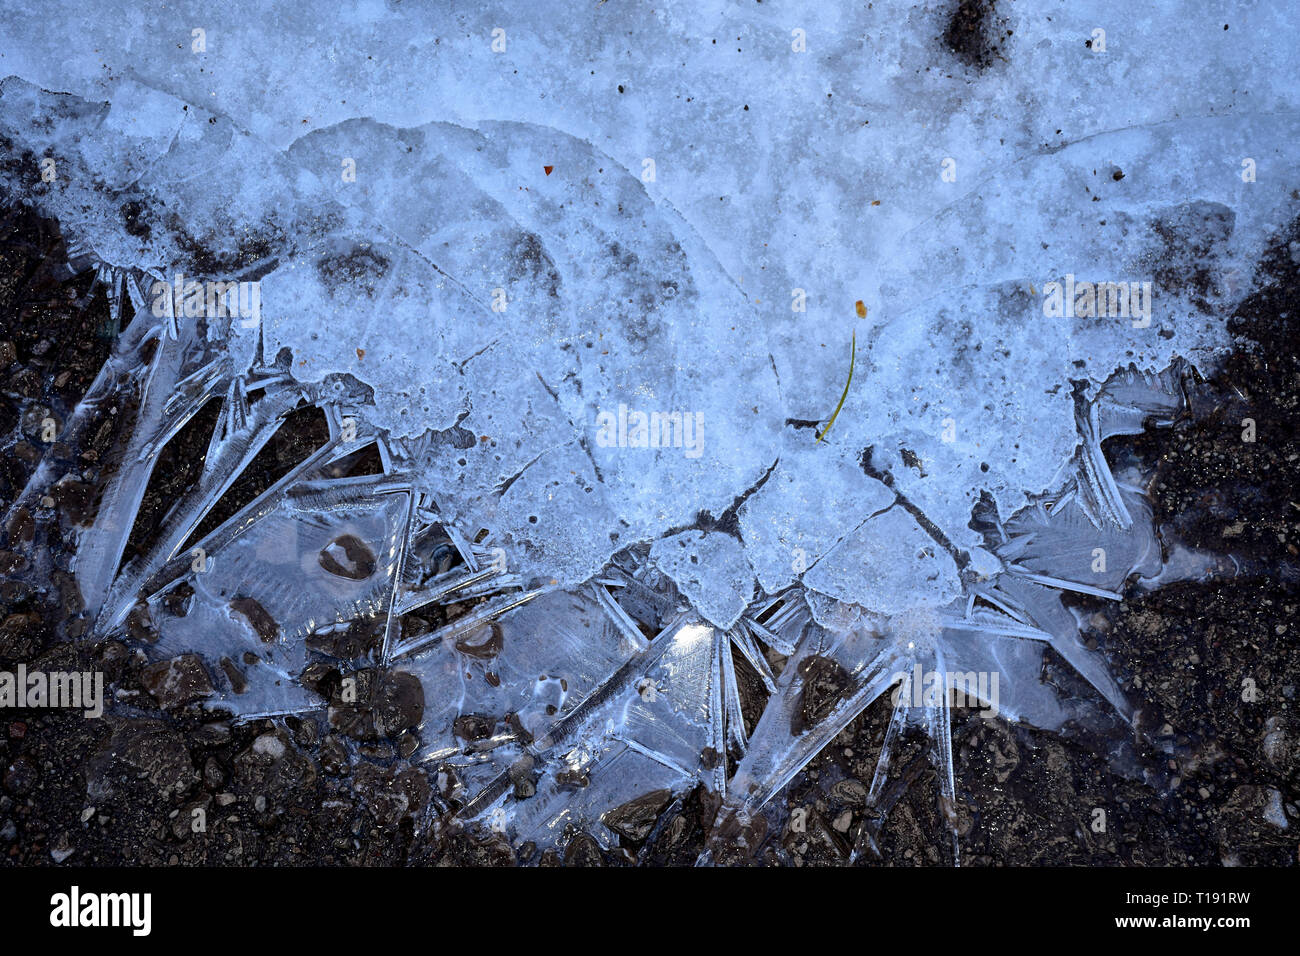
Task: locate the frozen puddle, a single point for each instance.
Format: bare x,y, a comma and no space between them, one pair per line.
575,336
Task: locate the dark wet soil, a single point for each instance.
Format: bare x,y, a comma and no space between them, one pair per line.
1212,666
974,33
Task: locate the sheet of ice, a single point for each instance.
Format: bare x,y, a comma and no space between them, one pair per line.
657,725
887,564
813,497
318,559
521,676
457,212
710,569
590,280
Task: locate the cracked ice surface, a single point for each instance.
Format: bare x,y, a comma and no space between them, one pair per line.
504,274
613,298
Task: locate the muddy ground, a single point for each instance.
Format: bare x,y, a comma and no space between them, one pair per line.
1209,778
